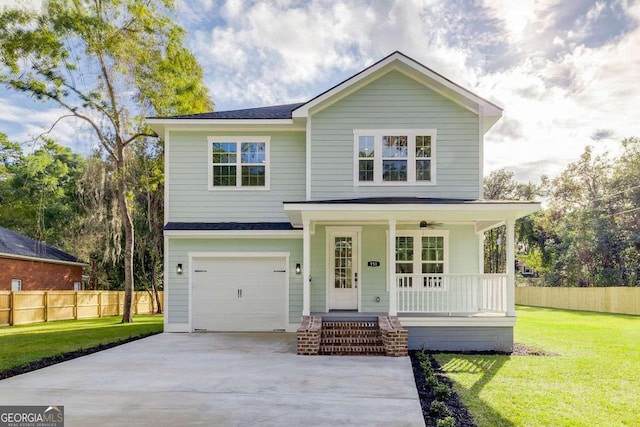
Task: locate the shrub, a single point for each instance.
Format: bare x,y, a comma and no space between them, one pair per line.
446,422
442,391
421,355
431,380
439,409
426,366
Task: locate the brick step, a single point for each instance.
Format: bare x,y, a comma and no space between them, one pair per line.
351,340
350,332
349,325
352,350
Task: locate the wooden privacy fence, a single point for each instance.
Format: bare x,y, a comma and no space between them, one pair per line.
17,308
623,300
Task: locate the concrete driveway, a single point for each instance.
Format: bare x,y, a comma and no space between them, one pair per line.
216,379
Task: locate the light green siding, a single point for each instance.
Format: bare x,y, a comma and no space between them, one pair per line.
394,101
189,199
178,285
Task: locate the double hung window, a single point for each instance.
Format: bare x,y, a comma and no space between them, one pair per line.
388,157
422,255
239,163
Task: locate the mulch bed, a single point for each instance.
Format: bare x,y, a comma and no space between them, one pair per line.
457,408
48,361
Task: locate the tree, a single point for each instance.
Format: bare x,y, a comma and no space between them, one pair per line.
500,185
38,191
106,62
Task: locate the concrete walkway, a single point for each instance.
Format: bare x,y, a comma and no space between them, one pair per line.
215,379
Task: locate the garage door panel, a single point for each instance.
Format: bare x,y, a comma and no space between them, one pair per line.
219,306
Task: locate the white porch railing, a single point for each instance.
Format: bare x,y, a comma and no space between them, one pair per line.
451,293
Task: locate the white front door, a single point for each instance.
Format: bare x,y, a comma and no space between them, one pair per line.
343,256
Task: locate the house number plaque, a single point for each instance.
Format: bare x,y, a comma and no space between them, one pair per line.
373,263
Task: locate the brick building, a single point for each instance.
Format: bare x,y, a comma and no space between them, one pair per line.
29,265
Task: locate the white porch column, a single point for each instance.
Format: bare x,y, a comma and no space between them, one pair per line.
391,260
306,268
511,268
481,239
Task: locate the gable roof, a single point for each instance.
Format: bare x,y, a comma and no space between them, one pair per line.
287,114
16,245
489,111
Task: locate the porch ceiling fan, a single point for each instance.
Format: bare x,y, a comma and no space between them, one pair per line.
429,224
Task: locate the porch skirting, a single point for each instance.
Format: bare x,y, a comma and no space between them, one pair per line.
461,338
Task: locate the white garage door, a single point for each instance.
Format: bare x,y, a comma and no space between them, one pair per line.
239,294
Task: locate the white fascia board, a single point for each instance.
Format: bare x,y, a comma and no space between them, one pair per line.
162,125
471,321
407,212
247,234
47,260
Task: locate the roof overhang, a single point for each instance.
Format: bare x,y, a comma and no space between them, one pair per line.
397,61
47,260
484,214
160,125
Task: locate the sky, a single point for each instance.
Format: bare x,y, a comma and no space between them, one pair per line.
567,73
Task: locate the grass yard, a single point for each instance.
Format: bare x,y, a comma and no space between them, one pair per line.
595,380
28,343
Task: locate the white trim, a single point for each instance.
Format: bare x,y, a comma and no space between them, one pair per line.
239,140
469,321
308,160
45,260
481,153
166,175
166,286
417,246
238,254
330,233
391,271
223,234
378,159
306,269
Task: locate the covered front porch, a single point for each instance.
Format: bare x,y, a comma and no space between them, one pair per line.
418,259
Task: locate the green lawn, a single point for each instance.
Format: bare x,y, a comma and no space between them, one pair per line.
595,380
27,343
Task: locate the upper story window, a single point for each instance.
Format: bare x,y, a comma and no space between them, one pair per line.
391,157
239,163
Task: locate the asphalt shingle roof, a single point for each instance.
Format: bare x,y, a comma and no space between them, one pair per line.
13,243
273,112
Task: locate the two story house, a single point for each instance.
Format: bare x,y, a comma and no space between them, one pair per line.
364,200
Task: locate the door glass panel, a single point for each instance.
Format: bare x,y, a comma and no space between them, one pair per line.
343,249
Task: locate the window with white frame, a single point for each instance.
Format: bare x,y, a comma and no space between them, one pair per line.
421,257
395,157
239,162
16,285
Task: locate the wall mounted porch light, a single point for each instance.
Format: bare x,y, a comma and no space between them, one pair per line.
179,269
298,268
